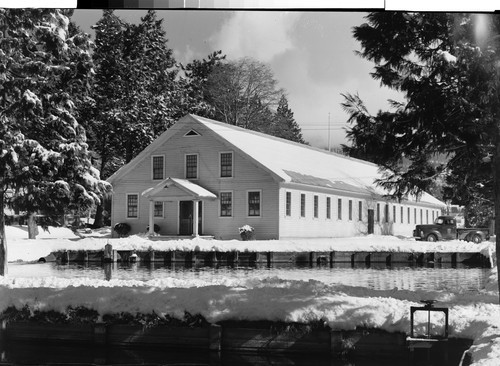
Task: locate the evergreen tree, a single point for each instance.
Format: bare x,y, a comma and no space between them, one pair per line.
284,124
135,91
196,74
44,159
450,79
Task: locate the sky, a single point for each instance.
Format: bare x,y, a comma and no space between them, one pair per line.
312,55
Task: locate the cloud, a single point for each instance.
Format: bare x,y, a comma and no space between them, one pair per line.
262,35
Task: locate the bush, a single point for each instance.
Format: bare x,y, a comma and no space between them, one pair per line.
247,232
122,228
156,229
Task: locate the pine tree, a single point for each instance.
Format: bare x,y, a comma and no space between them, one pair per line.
44,158
284,124
450,79
136,93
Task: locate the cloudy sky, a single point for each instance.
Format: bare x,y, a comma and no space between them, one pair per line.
312,55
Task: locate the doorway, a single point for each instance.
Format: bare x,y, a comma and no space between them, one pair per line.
371,221
186,209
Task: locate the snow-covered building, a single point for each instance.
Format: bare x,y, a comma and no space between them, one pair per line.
203,177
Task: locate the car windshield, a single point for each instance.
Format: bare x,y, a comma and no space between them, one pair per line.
439,221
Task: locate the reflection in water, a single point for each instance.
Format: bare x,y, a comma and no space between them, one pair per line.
378,276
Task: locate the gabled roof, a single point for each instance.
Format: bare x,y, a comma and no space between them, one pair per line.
299,163
188,188
287,161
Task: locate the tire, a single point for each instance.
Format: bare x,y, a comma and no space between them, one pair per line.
431,238
476,238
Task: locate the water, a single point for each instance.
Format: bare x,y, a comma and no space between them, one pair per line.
377,277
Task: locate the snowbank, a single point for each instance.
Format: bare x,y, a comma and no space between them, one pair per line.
23,249
472,315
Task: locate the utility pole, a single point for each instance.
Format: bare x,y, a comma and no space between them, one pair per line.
329,150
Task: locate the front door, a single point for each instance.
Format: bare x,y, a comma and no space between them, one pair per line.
371,221
186,217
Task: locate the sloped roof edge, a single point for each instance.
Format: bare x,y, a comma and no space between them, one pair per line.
185,185
165,136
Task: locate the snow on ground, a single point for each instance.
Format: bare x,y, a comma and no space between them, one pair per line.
62,238
474,315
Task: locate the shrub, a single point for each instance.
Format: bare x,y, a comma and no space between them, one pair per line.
122,228
156,228
247,232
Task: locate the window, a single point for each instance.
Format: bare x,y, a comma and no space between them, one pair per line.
426,216
415,215
302,205
409,214
433,216
157,166
226,165
158,209
350,210
360,211
394,214
339,204
254,203
378,212
402,212
226,204
328,208
316,206
191,166
192,133
421,216
288,204
132,205
386,212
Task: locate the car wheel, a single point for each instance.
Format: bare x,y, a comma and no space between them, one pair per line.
477,239
432,237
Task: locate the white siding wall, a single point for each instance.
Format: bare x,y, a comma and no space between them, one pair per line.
246,176
295,226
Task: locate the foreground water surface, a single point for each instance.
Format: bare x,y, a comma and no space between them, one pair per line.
378,277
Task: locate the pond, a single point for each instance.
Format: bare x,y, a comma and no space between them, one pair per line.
378,277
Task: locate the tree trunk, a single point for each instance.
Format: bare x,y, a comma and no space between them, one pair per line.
496,174
3,239
32,226
98,218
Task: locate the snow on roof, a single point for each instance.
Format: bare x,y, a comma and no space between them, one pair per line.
185,185
299,163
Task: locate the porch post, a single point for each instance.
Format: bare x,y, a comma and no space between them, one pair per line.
195,217
151,230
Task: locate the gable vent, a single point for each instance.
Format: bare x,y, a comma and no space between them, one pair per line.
192,133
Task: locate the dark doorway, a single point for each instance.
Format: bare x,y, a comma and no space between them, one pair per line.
371,221
186,217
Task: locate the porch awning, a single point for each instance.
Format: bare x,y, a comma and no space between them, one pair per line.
176,189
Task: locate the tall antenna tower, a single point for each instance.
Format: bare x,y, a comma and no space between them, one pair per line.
329,149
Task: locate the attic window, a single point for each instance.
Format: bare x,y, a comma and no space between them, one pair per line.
192,133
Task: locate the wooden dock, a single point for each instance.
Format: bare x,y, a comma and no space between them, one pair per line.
234,336
264,258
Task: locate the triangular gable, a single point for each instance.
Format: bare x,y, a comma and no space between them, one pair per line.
176,188
159,141
191,133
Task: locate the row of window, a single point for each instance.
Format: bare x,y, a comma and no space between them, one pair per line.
133,207
191,166
226,205
328,210
416,214
328,207
254,204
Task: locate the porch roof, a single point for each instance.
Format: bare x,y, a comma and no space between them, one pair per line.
174,189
